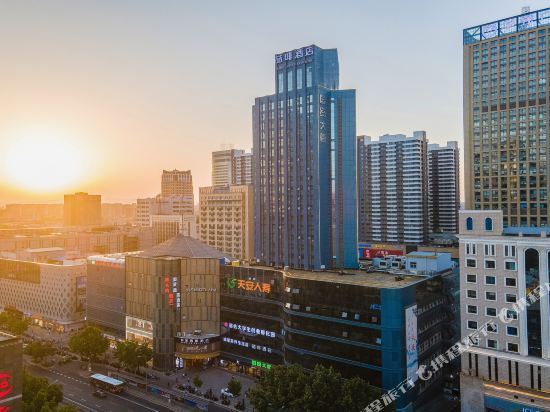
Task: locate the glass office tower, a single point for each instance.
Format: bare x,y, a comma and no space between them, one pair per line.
506,117
305,165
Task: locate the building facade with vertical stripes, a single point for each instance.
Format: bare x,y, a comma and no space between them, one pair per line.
305,165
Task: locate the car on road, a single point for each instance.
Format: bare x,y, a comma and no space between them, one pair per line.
100,394
152,376
226,392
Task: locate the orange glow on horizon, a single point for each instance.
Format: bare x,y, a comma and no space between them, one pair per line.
42,161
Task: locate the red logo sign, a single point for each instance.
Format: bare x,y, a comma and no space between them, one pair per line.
5,385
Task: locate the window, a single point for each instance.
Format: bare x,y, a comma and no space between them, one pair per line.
472,324
469,224
489,250
472,309
509,251
490,264
309,76
492,327
413,265
512,347
511,314
289,82
511,331
471,278
470,248
509,265
492,344
281,80
490,311
511,298
471,263
510,282
490,280
299,75
472,294
488,224
490,296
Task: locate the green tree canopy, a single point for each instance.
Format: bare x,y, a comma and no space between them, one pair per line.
14,322
291,389
40,396
39,350
133,355
234,386
89,342
197,381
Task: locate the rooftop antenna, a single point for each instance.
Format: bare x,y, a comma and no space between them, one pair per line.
525,9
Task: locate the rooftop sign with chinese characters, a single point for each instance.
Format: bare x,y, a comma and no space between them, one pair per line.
294,54
248,285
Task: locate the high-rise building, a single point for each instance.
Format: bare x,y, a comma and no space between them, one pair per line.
506,118
443,187
231,167
305,165
242,169
393,188
176,183
222,166
82,209
227,219
508,367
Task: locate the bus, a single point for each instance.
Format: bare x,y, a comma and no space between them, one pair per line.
107,383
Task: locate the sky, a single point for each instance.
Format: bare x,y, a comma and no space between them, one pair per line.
110,93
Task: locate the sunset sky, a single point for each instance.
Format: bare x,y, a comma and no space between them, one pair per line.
100,96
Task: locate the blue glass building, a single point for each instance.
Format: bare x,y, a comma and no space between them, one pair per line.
305,198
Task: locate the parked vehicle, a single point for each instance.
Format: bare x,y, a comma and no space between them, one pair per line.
226,392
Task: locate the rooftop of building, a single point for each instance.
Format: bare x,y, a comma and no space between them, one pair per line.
45,249
526,231
118,258
527,20
182,246
378,279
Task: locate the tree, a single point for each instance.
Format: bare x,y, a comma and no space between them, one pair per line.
143,355
133,355
14,322
281,388
39,350
234,386
197,381
40,396
89,343
356,394
290,389
323,389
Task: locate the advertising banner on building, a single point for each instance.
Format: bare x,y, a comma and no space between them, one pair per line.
411,340
81,293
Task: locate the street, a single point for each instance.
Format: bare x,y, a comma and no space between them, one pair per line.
78,392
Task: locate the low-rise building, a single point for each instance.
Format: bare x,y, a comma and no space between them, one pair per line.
375,325
172,301
52,295
167,226
11,372
106,293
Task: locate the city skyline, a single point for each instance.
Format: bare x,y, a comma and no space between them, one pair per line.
157,83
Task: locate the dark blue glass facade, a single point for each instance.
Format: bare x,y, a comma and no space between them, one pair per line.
305,199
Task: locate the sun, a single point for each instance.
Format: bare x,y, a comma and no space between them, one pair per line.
42,161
